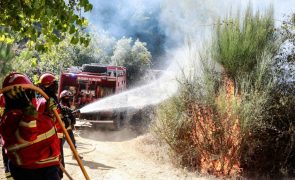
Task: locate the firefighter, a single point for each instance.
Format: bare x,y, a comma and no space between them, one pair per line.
29,138
68,117
4,155
48,83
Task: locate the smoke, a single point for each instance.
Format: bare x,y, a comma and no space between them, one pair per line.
167,26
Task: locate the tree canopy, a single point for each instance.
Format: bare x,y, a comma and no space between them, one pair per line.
41,23
134,56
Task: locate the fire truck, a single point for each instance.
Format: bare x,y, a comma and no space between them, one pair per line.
92,82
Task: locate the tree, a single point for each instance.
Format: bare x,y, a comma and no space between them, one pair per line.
42,23
122,52
134,56
6,55
105,43
58,58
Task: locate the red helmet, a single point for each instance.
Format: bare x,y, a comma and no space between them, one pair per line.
14,79
46,79
65,93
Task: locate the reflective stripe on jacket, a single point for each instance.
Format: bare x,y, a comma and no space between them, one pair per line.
30,141
41,108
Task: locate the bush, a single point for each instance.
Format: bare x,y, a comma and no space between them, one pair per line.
239,42
174,127
238,121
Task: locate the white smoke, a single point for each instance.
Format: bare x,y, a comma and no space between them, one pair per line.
180,21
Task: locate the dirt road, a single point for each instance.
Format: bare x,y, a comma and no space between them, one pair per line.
116,155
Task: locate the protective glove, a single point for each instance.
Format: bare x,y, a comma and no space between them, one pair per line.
16,93
65,118
19,94
51,104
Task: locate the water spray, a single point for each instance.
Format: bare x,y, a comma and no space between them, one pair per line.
137,98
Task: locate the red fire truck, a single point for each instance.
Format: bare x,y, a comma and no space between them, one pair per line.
92,82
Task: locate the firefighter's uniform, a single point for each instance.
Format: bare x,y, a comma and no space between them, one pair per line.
30,134
28,137
30,141
41,108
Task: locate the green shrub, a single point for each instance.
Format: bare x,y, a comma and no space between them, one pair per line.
239,42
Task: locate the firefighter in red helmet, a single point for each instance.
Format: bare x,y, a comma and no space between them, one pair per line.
29,138
48,83
67,114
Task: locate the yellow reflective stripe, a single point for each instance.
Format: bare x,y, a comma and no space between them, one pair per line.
17,158
2,111
60,135
25,143
48,160
30,124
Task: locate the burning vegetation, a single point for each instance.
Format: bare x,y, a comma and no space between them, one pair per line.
232,123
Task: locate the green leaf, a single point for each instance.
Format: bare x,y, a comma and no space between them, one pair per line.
88,7
86,42
34,62
72,29
74,40
40,47
84,22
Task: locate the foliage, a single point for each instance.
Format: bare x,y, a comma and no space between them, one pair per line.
268,118
222,130
121,55
125,19
287,28
175,122
200,122
174,127
105,43
43,23
134,56
58,58
238,44
6,55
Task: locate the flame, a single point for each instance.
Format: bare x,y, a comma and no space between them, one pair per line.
217,135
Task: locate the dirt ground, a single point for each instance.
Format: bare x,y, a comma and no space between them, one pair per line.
120,155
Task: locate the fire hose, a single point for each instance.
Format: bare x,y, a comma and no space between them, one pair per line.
68,139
